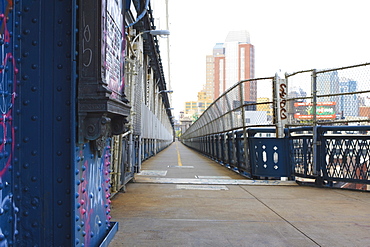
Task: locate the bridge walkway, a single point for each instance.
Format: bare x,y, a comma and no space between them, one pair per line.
182,198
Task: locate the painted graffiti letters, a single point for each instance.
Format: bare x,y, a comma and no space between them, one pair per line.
112,38
87,53
282,91
282,96
93,204
8,79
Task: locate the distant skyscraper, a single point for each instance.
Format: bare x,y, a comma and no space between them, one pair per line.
348,105
233,61
209,87
327,83
199,106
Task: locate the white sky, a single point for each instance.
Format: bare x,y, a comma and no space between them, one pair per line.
288,35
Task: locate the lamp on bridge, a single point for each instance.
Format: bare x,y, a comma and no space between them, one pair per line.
166,91
152,32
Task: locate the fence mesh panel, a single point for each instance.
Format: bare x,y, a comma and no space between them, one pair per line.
299,92
236,108
342,96
347,91
339,96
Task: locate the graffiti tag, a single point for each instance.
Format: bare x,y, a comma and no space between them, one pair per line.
282,96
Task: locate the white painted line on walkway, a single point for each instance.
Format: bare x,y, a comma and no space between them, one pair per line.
152,173
201,187
212,181
181,167
213,177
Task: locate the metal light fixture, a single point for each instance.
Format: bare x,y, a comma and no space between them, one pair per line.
166,91
152,32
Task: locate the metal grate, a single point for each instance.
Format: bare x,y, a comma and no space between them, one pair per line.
346,157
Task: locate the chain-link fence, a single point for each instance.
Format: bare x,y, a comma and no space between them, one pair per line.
338,96
310,108
240,106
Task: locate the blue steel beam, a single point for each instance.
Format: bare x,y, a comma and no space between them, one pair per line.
54,191
55,170
9,71
44,132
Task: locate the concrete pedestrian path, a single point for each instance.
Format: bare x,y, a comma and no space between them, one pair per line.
182,198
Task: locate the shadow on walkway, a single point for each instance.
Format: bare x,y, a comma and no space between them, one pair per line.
182,198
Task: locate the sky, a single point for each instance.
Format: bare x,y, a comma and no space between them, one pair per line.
288,36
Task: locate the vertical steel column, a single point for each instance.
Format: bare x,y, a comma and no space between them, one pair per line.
10,105
230,148
239,149
203,144
147,148
207,144
234,159
280,89
222,148
130,158
213,146
216,149
136,154
245,133
314,97
44,157
211,139
139,154
316,164
116,163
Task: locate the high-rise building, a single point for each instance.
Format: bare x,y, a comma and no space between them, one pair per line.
331,84
267,107
209,87
199,106
348,105
327,84
233,61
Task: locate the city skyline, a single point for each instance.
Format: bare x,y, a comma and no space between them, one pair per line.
285,36
233,61
230,62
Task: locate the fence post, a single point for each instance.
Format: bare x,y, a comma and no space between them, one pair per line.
281,117
245,141
280,89
315,142
314,97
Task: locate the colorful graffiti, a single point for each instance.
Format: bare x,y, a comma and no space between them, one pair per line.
8,82
92,195
113,49
36,191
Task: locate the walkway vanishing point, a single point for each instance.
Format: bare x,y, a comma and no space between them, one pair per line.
182,198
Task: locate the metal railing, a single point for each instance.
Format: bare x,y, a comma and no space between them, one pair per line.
151,123
342,158
337,96
310,114
235,109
